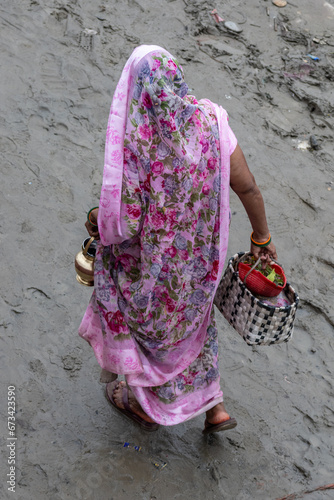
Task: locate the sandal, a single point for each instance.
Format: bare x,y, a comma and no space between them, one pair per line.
147,426
223,426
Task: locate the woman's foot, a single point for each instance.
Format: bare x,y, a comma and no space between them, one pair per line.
217,414
217,419
117,396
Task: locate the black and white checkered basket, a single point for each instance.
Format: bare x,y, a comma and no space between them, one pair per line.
256,322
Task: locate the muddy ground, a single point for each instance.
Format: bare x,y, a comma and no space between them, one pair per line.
60,62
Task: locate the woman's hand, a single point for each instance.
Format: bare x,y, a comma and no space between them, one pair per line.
92,229
267,254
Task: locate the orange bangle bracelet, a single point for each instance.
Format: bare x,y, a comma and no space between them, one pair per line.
88,217
263,244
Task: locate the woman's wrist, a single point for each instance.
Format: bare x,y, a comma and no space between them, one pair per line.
260,240
90,219
260,235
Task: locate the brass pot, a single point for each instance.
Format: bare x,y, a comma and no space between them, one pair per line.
84,263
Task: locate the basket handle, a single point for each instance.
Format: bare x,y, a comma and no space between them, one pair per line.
256,263
252,268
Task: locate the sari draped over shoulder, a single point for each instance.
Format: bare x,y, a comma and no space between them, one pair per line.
163,222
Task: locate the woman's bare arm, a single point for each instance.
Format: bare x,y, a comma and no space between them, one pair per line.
243,184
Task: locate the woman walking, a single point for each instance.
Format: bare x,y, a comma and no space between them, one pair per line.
162,224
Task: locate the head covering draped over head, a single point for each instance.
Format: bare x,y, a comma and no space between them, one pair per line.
152,82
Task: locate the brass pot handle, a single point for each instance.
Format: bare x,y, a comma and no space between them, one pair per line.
88,245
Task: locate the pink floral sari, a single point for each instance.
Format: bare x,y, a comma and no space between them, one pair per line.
163,222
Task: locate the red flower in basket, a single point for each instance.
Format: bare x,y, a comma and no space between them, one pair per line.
258,283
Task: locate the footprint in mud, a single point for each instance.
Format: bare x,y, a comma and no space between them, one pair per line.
60,14
32,473
71,363
34,399
37,295
7,145
87,92
86,39
328,416
59,190
36,122
59,128
37,367
67,216
41,120
51,74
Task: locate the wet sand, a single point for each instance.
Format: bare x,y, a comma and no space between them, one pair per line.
60,64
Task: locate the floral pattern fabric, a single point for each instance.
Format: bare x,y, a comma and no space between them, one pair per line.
163,222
